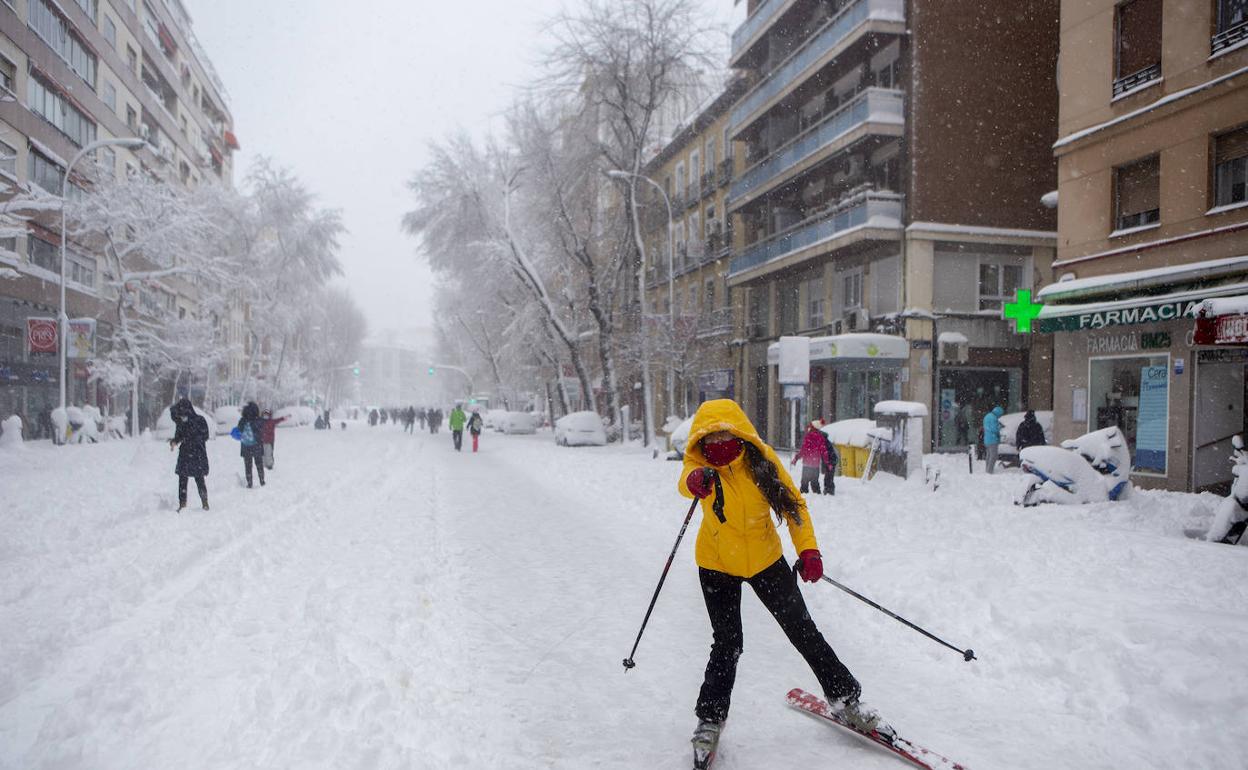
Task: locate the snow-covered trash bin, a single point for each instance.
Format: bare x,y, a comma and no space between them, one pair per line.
852,441
11,432
900,450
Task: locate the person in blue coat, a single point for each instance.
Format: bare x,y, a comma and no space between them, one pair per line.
992,437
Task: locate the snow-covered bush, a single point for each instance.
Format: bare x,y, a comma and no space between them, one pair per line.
11,432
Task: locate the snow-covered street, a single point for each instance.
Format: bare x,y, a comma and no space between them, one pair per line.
386,602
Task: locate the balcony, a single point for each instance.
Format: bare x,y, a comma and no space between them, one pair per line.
746,34
881,209
724,171
715,323
1229,38
875,105
1136,79
816,48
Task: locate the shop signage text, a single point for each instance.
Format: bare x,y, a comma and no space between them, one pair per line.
1113,343
1166,311
1231,329
41,335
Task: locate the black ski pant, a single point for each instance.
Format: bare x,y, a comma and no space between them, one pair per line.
777,588
200,484
248,460
457,436
810,479
829,481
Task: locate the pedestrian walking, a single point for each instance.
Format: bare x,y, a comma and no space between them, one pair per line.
268,435
992,437
813,454
409,419
740,482
420,415
474,427
250,430
372,418
1030,432
456,423
191,439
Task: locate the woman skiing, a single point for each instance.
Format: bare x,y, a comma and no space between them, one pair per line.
741,481
190,437
250,431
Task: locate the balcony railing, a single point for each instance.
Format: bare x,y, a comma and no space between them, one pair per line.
715,323
724,170
836,29
856,211
877,105
764,13
1137,79
1229,37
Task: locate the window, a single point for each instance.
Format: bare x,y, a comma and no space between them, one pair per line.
787,307
708,298
695,172
44,172
680,179
44,254
108,161
80,269
1232,24
8,158
1138,49
110,31
88,7
1132,393
1137,189
999,284
54,30
884,66
8,72
109,94
1230,171
814,303
56,109
851,285
759,315
132,119
132,59
709,154
695,227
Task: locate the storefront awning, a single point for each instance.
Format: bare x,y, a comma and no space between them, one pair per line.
1148,309
1141,281
885,349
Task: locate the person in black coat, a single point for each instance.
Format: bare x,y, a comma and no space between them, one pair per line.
250,429
191,439
1030,432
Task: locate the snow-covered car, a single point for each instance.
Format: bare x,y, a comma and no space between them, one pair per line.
295,416
165,427
226,418
580,429
680,436
1007,450
519,422
492,419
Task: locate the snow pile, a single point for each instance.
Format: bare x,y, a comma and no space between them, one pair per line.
226,417
680,435
295,416
906,408
11,432
853,432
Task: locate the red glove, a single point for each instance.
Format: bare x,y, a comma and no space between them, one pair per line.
810,565
701,482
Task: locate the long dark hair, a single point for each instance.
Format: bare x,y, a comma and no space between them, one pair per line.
768,480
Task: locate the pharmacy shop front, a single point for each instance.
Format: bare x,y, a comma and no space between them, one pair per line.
1176,403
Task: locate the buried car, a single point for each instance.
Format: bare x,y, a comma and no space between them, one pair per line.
580,429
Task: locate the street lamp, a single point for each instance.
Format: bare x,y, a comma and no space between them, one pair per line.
671,274
132,143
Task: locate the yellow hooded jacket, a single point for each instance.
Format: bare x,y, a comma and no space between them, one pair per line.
746,543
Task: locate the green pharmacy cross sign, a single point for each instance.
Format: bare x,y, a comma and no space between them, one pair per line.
1022,310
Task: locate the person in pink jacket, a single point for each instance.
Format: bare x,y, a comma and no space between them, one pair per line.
814,455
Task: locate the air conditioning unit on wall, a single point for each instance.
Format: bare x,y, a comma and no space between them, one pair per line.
857,321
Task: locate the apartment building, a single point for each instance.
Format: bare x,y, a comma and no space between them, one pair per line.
887,202
73,72
689,296
1152,222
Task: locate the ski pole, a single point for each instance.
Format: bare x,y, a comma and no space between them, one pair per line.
628,662
967,655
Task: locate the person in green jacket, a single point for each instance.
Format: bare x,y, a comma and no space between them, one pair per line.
458,418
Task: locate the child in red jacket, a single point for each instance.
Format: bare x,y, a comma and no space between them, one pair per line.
814,455
268,434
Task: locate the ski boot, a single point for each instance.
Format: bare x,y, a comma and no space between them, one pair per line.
705,741
860,716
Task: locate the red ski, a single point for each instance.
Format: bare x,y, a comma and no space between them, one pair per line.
917,755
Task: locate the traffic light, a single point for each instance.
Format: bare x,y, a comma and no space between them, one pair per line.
355,370
431,371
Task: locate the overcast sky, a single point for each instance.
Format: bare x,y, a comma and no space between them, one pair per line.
349,99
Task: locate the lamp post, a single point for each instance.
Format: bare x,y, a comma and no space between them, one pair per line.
63,320
471,387
671,272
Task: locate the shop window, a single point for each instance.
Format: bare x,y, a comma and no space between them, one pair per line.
1133,394
998,284
1138,45
1230,171
858,392
1137,193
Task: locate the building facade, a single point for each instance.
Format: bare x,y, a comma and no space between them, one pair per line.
894,154
1152,220
72,73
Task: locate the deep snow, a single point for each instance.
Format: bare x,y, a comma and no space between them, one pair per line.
386,602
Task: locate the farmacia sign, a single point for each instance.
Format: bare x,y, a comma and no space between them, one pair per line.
1147,314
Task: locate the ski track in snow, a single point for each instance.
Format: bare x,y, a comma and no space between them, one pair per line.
386,602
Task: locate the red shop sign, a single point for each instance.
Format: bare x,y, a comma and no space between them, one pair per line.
1231,329
41,335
